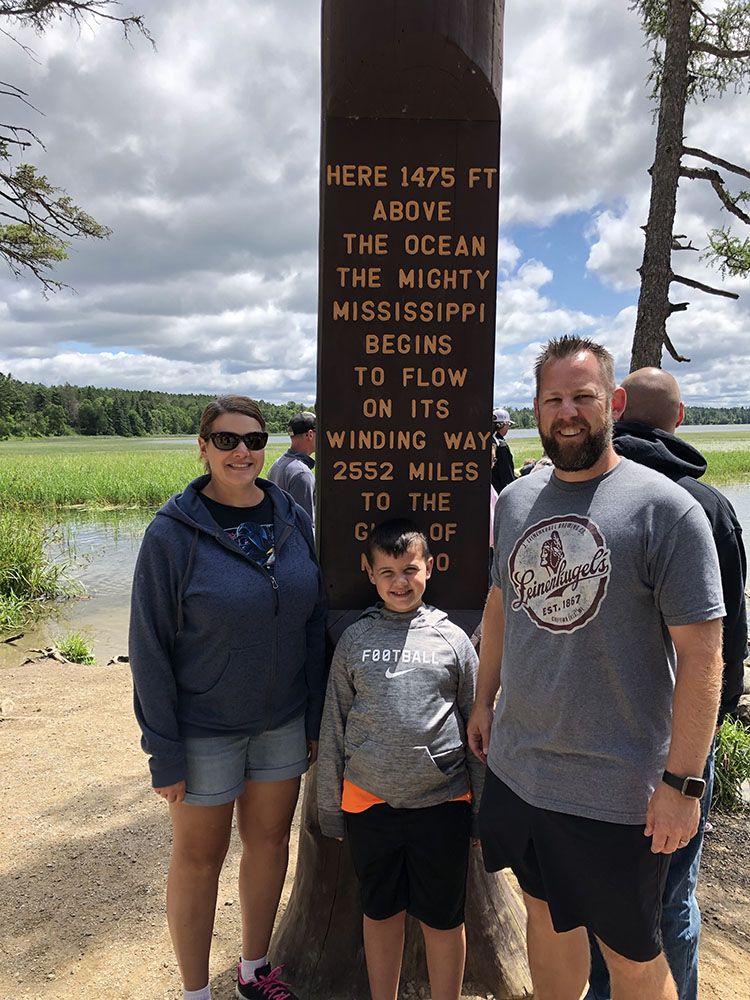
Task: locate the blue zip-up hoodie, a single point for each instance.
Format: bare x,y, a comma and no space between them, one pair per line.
218,644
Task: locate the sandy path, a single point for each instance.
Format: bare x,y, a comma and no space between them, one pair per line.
84,850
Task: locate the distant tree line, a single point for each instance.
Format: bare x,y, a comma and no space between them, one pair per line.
717,415
524,417
28,409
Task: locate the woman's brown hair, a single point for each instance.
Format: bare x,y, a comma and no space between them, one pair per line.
229,404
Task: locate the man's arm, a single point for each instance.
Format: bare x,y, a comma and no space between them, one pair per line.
672,818
488,679
302,488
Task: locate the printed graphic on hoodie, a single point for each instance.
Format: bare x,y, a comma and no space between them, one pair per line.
400,661
559,571
256,541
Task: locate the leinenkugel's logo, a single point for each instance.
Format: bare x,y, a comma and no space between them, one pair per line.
560,571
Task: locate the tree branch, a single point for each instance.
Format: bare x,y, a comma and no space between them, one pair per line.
692,283
717,183
671,348
19,94
697,9
720,53
701,154
676,245
41,12
38,221
678,307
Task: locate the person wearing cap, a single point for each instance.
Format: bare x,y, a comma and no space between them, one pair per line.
293,471
502,468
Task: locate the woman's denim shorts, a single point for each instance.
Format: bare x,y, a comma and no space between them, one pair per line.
218,766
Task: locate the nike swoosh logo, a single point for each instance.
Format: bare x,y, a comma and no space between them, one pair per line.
390,672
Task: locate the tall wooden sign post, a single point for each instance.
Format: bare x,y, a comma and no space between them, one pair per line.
408,252
408,261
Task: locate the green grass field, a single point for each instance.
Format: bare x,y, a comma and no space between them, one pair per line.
727,454
98,472
142,472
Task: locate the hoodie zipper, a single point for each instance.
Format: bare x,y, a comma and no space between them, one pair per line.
275,586
220,537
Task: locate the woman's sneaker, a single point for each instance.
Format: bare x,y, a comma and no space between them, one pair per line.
267,985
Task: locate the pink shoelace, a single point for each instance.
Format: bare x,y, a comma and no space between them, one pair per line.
272,986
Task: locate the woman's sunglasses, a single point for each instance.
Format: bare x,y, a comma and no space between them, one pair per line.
227,441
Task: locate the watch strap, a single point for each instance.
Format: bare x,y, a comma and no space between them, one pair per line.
690,786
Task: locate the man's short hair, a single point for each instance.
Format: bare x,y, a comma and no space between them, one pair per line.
301,423
395,537
569,344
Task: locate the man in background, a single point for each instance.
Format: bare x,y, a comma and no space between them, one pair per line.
293,471
646,434
502,467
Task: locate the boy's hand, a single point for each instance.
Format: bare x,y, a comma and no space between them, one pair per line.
478,730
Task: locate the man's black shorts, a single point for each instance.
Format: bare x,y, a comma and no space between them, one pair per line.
591,874
412,859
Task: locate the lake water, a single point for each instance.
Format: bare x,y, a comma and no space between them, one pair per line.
104,546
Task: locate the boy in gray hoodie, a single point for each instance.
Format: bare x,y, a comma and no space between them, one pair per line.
394,775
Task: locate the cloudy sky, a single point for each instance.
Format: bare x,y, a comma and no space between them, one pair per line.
202,156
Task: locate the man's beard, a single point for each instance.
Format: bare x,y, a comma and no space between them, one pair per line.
575,457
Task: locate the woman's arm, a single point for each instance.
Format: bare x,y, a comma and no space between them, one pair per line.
153,625
316,665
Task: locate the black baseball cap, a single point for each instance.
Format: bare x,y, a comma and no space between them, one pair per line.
302,422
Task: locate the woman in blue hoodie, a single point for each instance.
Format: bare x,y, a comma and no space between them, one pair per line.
227,653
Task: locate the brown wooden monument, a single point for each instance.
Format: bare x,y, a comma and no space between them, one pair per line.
408,264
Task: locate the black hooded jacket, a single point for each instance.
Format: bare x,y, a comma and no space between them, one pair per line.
503,472
684,464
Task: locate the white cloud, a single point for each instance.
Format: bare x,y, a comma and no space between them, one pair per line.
617,245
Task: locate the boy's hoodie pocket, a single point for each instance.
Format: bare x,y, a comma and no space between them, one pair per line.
382,769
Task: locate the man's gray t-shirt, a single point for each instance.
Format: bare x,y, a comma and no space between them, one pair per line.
592,573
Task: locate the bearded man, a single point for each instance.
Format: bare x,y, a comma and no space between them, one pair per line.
611,672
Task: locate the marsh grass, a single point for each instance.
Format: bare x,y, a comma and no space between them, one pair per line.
144,472
76,648
98,474
29,579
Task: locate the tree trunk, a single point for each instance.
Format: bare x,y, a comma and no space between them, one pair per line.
319,938
656,269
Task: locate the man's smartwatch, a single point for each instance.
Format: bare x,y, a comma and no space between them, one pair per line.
690,787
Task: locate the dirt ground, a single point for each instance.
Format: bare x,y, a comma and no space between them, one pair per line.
84,850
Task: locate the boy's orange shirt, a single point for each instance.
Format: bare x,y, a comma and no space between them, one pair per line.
355,799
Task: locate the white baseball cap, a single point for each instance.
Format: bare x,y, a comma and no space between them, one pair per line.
501,416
